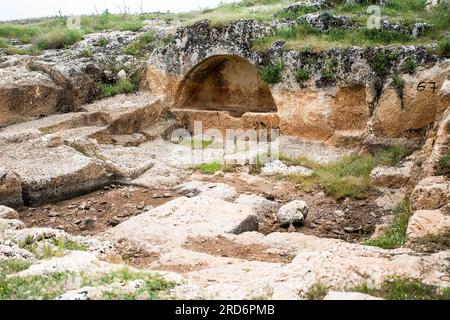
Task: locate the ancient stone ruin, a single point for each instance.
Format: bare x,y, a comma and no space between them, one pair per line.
336,175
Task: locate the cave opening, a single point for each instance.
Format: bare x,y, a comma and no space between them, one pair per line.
225,83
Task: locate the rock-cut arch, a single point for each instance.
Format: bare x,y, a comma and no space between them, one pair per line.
225,83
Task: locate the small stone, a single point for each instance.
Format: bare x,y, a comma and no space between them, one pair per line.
148,208
141,206
113,222
85,224
167,195
294,212
157,196
122,74
352,229
52,214
84,206
339,213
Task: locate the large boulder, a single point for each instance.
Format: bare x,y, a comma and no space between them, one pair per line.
431,193
392,177
26,94
174,222
425,223
79,79
52,171
294,212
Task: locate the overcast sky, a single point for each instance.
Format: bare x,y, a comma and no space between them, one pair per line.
20,9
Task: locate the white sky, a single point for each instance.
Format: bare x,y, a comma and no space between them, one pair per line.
20,9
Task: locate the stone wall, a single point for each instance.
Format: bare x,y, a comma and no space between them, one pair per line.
361,103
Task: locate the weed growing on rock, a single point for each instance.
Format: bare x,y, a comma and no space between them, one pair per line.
140,46
317,292
398,288
13,266
272,72
101,42
87,53
409,66
444,48
121,87
349,177
302,75
48,287
381,64
398,82
209,168
395,235
392,155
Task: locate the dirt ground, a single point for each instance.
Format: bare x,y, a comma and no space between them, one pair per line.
91,214
94,213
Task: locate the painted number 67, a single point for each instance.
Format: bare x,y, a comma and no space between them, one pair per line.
422,86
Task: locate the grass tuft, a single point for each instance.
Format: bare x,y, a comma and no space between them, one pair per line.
302,75
317,292
393,155
272,72
395,235
398,288
121,87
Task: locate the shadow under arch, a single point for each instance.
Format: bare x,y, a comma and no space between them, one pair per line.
225,83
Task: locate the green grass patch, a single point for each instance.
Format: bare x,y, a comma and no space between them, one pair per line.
13,266
139,46
392,155
395,235
444,48
48,287
272,72
123,86
398,82
101,42
57,39
409,66
444,162
302,75
209,168
197,143
51,248
398,288
347,178
87,53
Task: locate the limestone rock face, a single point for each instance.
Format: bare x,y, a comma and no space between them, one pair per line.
392,177
26,94
213,190
174,222
294,212
78,80
428,222
431,193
